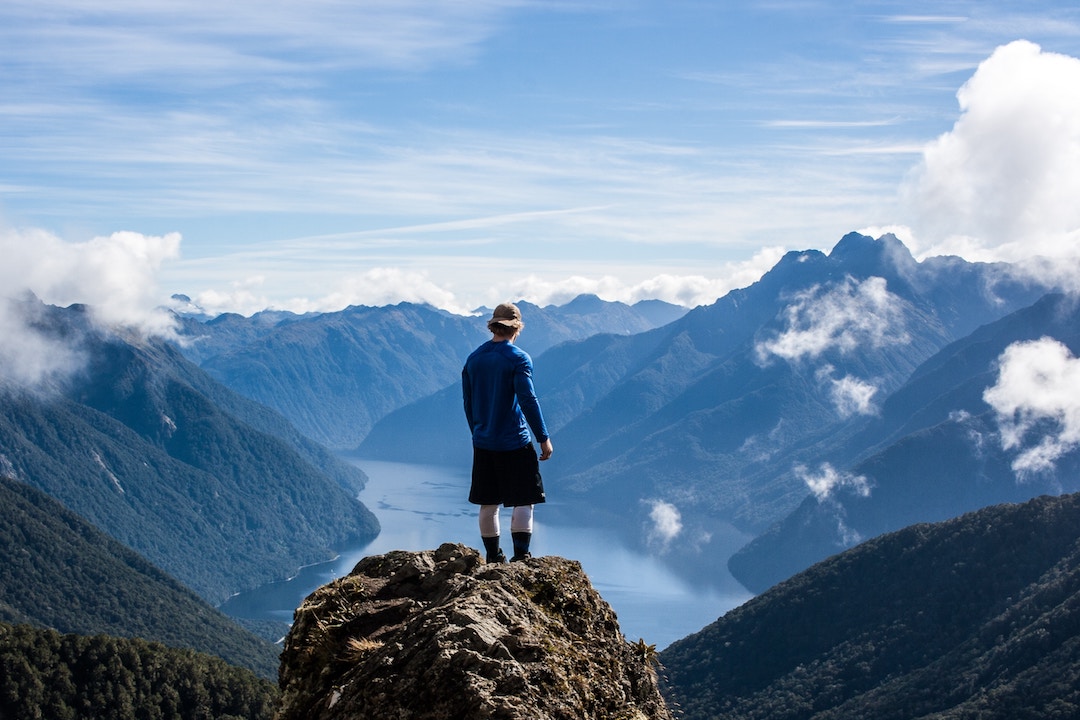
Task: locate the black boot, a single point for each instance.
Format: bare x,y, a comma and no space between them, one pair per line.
521,546
491,547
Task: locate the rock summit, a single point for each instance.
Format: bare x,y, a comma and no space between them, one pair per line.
440,635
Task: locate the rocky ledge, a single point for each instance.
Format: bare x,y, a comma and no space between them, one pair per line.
441,635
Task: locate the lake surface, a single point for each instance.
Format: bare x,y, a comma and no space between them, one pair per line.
422,506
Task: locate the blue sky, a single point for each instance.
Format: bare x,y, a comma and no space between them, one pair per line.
311,155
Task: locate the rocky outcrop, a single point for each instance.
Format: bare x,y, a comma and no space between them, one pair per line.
440,635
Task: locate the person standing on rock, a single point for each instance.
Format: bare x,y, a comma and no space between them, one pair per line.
501,407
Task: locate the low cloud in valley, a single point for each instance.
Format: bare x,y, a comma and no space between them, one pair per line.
666,523
843,317
1037,404
849,394
827,480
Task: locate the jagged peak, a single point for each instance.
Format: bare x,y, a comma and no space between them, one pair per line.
851,244
860,249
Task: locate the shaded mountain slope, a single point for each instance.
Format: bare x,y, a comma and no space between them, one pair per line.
934,453
60,572
333,375
138,450
978,616
568,381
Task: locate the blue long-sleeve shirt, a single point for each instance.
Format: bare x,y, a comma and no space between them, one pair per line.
500,401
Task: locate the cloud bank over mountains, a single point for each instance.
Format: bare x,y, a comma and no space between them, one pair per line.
115,276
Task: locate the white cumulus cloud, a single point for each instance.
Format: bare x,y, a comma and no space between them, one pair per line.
1003,183
844,316
1036,400
115,276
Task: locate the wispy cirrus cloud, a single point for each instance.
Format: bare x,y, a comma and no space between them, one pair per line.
255,130
223,43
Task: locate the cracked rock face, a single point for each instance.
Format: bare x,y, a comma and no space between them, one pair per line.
442,635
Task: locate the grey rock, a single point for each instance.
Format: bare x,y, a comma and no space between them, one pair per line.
439,634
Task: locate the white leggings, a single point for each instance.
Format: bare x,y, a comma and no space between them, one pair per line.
520,521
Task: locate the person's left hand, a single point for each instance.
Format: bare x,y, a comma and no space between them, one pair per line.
546,449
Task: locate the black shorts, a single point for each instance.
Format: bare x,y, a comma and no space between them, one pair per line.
508,478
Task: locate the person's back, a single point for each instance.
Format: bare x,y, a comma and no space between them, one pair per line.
500,402
501,408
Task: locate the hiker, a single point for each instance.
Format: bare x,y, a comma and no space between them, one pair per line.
501,407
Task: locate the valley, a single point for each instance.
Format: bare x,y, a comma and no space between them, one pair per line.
705,458
423,506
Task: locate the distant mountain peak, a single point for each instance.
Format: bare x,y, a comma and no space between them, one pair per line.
863,251
852,242
586,303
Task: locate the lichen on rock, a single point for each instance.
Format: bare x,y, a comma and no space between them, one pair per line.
439,634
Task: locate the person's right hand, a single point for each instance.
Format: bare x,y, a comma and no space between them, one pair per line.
546,449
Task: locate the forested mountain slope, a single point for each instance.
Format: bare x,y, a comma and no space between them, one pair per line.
144,445
74,677
977,616
60,572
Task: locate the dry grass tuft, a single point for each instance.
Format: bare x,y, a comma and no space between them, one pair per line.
357,648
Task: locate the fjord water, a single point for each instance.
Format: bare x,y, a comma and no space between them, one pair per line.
422,506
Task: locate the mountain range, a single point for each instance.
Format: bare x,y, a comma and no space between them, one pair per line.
720,420
792,410
336,374
842,396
